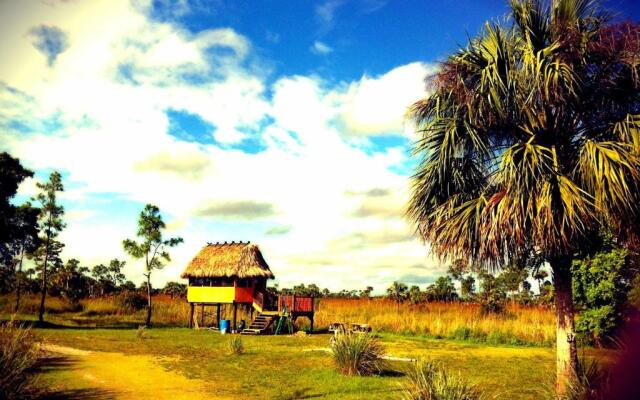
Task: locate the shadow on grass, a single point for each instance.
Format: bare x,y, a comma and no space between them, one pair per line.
54,363
80,394
88,326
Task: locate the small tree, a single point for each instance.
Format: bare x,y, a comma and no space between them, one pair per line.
114,271
366,292
152,246
416,296
397,292
51,224
175,289
467,287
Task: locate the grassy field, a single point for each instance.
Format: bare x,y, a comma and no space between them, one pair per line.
520,325
489,351
282,367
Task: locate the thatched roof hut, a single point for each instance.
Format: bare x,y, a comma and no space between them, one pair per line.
228,260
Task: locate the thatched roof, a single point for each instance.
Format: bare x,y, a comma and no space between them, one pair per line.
219,260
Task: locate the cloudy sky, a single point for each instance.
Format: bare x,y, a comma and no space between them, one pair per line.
278,122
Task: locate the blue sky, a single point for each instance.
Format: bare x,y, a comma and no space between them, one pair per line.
271,121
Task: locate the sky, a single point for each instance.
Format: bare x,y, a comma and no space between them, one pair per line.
276,122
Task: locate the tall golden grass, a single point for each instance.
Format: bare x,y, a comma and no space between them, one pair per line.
518,325
533,325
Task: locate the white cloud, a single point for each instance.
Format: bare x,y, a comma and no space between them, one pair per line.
319,47
312,178
378,105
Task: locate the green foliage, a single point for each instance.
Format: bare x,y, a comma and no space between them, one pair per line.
591,383
175,289
235,345
442,289
415,295
397,292
357,354
493,295
429,380
18,356
131,301
600,287
13,228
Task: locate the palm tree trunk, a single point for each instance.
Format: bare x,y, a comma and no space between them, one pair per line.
148,299
566,351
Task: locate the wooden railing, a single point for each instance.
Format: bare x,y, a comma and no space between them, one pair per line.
258,299
293,303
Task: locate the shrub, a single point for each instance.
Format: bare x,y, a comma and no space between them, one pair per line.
600,287
357,354
235,345
431,381
18,356
131,301
591,382
141,333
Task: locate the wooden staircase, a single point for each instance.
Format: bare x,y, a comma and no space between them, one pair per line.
260,324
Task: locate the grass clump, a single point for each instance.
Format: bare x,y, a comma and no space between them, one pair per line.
235,345
431,381
18,356
357,354
590,383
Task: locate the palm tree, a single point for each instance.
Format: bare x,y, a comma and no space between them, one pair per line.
397,292
530,138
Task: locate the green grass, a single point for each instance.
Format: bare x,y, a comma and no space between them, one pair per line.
276,367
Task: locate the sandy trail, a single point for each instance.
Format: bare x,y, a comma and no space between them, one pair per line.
130,376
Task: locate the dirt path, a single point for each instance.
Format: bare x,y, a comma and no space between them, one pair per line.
128,376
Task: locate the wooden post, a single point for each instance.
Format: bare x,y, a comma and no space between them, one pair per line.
218,315
251,312
311,328
235,311
191,316
202,315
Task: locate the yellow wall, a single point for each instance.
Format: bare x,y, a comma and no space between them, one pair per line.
206,294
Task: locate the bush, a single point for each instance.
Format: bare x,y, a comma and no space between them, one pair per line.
18,356
462,333
431,381
357,354
235,345
591,382
131,301
600,287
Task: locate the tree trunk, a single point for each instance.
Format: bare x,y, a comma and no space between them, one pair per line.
44,279
148,300
18,278
566,351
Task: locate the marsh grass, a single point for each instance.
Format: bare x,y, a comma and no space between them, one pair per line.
357,354
428,380
235,346
18,357
519,325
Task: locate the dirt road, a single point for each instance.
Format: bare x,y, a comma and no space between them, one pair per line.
119,376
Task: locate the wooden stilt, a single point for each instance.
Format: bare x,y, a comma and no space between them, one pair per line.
202,315
218,315
311,327
191,315
235,312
